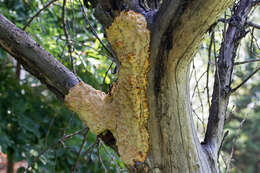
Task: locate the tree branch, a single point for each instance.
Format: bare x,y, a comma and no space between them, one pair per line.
67,36
254,25
81,147
244,81
222,83
35,59
38,13
92,29
60,141
248,61
39,63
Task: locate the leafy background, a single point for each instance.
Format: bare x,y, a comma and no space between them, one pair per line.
33,120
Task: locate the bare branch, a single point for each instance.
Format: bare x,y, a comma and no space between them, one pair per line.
18,66
245,62
90,150
201,120
251,42
68,42
81,147
35,59
251,24
60,141
254,25
48,131
233,144
110,155
244,81
224,137
208,66
92,29
99,156
38,13
222,84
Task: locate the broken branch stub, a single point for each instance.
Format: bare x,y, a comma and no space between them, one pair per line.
124,112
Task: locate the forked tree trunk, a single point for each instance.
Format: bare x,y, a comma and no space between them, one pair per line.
176,31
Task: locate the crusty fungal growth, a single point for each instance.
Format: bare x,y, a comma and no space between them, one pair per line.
125,110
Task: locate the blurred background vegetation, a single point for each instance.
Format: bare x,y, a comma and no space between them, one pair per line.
37,128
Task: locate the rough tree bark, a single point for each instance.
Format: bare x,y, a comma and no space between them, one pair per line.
148,114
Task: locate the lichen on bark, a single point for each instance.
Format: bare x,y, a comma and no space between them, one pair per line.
124,111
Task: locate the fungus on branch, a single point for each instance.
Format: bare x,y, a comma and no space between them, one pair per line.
124,111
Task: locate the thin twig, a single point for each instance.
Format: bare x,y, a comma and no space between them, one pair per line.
242,83
99,157
198,92
224,36
110,155
256,42
38,13
60,141
90,150
103,83
81,147
248,61
208,66
67,36
47,134
18,66
197,81
216,65
202,121
224,160
67,126
92,29
256,55
221,145
251,42
233,144
222,142
191,73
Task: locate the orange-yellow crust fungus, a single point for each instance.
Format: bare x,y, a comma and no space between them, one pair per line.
125,110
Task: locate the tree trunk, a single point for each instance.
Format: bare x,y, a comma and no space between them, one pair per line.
174,143
173,139
176,30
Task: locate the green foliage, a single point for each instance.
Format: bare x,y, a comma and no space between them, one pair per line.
88,55
32,119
